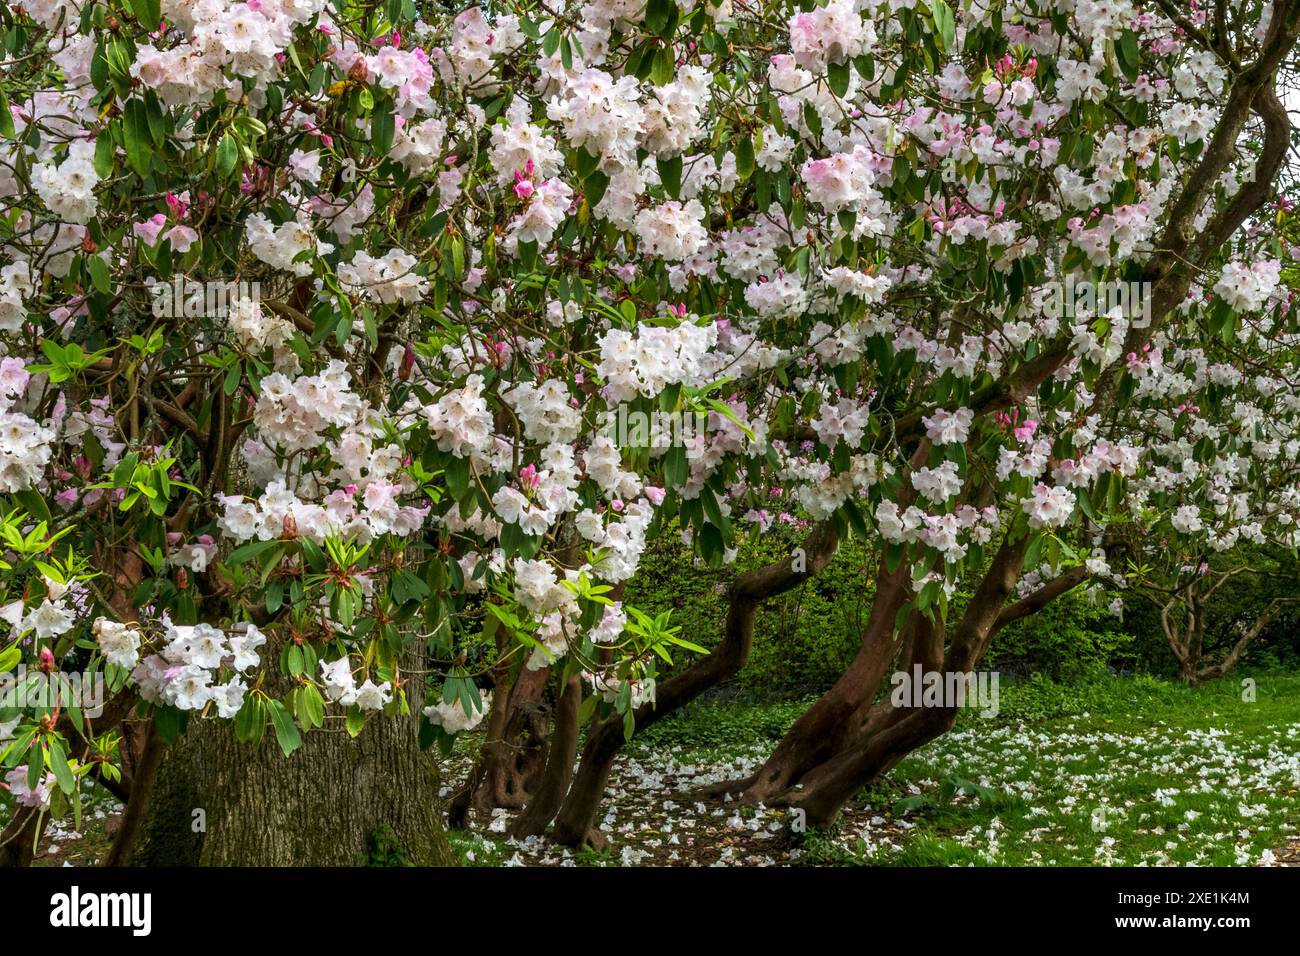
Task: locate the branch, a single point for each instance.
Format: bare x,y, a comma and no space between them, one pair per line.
1066,581
178,417
1224,579
1171,269
1271,611
1252,195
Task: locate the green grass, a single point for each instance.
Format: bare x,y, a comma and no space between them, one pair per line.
706,730
1117,772
1109,771
473,849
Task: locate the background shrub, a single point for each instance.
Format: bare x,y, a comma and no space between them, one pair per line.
803,640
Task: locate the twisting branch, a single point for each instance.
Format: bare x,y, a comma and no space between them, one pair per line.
1032,603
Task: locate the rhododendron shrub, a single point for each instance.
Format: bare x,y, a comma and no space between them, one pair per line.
1221,499
1187,590
832,234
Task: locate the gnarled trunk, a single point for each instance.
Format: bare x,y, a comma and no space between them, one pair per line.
554,784
826,726
575,822
848,738
514,752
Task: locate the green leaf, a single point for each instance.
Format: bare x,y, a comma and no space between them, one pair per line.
148,12
6,117
250,722
227,155
908,804
99,75
382,127
1127,52
252,550
35,764
745,157
457,475
314,705
588,708
676,467
711,507
665,65
139,140
99,274
59,764
812,119
296,662
105,156
1085,503
170,722
286,732
309,706
356,720
670,173
712,547
838,75
1034,553
661,17
945,24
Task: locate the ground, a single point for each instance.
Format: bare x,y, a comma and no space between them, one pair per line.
1116,771
63,844
1120,771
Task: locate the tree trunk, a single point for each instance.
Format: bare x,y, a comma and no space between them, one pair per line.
336,801
827,787
847,739
1195,636
1238,650
145,764
513,755
563,750
825,727
575,823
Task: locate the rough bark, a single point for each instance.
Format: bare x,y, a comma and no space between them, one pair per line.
322,806
557,776
514,751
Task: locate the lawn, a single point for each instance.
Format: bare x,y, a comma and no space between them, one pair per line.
1112,771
